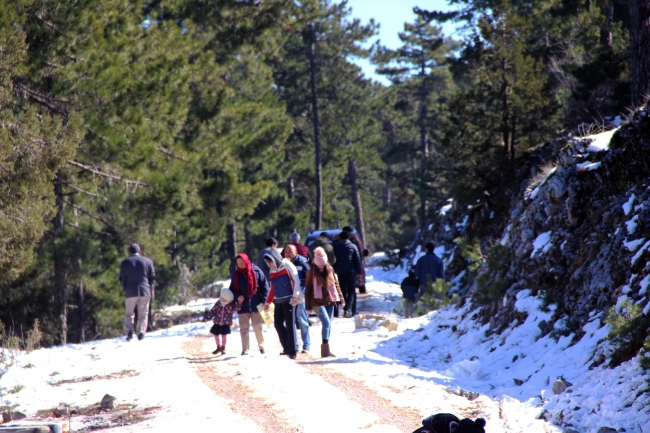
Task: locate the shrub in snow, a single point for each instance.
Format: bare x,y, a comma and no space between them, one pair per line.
628,328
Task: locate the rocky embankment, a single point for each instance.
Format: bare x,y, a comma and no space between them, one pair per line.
578,235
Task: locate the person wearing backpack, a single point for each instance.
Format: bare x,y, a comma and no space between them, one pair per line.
285,293
302,319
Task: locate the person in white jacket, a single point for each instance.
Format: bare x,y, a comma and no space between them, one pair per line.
286,294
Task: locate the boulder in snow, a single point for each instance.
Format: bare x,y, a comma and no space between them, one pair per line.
13,416
107,402
369,321
560,385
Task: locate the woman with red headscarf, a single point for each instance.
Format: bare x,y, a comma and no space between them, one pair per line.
251,288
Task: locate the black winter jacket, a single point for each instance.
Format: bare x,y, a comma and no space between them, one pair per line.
137,275
429,265
250,304
347,257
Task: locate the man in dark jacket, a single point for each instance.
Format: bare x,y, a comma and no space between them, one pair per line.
323,241
347,267
261,263
429,267
137,275
361,278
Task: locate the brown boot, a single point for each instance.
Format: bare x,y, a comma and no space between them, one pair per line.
217,351
325,351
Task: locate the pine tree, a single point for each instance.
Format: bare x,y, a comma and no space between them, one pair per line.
419,71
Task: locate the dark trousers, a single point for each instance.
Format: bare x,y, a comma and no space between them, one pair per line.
284,317
348,283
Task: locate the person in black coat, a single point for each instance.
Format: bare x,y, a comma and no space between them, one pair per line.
347,267
409,291
429,267
137,276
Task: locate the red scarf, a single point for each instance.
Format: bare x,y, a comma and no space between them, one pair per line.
249,273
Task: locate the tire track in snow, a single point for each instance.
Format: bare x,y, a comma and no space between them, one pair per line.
244,403
406,420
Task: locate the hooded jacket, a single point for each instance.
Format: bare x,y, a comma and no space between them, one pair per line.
285,283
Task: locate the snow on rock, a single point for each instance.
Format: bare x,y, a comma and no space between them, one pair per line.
588,166
631,225
627,206
542,242
633,245
639,253
600,142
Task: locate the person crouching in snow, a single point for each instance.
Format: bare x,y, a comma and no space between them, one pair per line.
323,293
221,315
285,293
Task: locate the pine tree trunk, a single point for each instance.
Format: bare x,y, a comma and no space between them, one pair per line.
424,138
386,194
231,245
640,50
248,237
605,27
81,309
290,184
60,274
318,218
356,200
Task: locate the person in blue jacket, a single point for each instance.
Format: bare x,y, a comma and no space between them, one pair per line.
285,293
429,267
302,319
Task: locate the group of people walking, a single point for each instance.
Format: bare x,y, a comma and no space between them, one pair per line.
297,282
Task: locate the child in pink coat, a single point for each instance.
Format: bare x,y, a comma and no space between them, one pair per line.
221,315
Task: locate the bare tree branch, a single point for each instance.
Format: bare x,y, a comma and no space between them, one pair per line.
106,175
170,153
71,185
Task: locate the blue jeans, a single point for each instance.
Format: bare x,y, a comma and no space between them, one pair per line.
326,315
303,323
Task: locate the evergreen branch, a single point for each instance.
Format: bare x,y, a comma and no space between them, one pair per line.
170,153
12,217
84,191
95,217
51,103
106,175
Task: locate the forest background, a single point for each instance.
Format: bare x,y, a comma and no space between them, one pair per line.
199,128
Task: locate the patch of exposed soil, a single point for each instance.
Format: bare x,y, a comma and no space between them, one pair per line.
240,395
117,375
402,418
93,417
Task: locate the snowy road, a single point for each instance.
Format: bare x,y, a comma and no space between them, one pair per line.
172,382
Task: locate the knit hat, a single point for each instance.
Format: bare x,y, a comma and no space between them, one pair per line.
294,237
320,257
226,294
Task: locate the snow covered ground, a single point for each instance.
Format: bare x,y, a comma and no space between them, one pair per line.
380,381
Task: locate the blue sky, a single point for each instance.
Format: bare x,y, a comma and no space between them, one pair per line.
391,15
